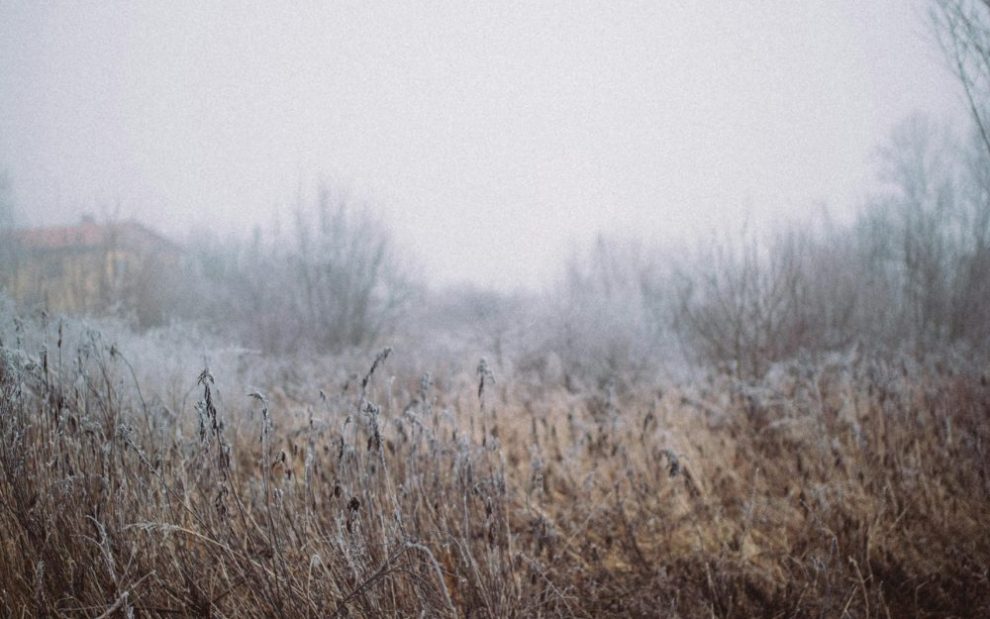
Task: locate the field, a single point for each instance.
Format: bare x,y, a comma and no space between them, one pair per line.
592,310
136,480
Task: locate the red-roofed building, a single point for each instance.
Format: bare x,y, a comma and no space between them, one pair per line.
89,267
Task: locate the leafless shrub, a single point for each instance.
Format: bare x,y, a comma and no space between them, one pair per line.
607,316
907,272
746,307
333,282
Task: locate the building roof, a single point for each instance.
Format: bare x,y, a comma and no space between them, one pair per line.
90,235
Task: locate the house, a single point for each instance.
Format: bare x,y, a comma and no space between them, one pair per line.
89,268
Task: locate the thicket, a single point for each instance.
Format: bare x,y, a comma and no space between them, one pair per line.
332,279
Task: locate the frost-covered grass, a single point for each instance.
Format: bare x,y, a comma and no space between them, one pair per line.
139,478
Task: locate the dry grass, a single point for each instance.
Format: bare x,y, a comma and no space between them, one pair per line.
858,488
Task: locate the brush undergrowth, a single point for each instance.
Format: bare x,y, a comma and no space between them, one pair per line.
856,487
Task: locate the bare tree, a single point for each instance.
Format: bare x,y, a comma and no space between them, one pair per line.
610,313
6,201
8,219
962,28
349,285
332,282
919,166
743,306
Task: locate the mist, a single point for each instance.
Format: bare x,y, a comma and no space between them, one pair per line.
494,140
494,310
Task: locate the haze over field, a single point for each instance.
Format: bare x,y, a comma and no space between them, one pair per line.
590,310
491,138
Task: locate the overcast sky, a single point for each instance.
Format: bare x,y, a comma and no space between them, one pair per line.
492,136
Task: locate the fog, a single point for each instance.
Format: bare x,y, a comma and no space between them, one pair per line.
507,309
492,139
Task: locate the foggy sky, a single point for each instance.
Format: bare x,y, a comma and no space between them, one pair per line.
492,137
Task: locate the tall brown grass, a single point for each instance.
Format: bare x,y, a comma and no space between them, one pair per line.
853,487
